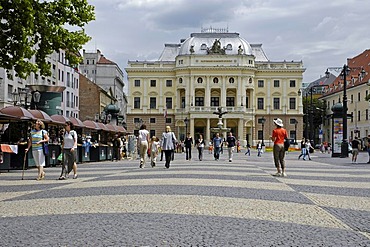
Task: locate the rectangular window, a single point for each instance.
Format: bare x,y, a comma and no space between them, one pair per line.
276,103
247,102
230,101
261,83
153,83
168,83
260,104
169,102
292,103
215,101
137,83
152,120
152,133
367,114
276,83
358,116
199,101
136,102
292,83
10,93
182,102
168,120
153,103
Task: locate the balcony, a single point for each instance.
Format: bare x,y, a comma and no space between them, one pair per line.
212,109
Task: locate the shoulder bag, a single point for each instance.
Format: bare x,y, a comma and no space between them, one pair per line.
45,145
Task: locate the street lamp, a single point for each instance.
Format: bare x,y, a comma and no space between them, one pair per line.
262,121
186,121
344,71
36,98
22,97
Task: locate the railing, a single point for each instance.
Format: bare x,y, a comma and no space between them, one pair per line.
212,109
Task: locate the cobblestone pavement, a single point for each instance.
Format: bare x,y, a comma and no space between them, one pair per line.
322,202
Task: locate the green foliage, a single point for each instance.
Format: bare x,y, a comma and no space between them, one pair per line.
317,113
32,28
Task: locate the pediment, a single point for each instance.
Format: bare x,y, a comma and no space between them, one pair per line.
137,93
168,94
153,94
276,94
260,94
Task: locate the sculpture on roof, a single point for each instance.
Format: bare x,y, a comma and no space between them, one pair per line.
192,49
240,50
216,48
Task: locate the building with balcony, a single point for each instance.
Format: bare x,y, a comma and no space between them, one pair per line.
59,92
212,69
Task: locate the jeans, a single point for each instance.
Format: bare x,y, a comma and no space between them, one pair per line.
217,153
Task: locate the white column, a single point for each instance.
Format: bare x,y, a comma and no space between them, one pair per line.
223,92
208,131
207,100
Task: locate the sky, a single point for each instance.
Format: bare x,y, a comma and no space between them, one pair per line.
320,33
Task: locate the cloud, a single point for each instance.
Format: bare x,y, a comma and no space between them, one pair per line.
321,34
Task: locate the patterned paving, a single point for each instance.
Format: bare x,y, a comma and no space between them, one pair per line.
323,202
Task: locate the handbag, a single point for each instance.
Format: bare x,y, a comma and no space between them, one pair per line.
45,146
286,144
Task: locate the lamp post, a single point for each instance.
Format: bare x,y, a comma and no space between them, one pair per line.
263,120
344,71
295,131
186,121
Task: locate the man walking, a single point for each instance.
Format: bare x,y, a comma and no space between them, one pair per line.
231,142
217,146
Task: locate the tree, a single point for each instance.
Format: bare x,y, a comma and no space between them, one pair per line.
316,111
32,29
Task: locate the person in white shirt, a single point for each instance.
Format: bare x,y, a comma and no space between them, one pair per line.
154,148
69,148
143,143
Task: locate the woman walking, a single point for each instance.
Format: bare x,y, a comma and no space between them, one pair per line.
69,148
168,143
278,136
200,146
143,143
37,137
188,143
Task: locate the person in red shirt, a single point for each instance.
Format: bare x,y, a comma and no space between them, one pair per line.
278,136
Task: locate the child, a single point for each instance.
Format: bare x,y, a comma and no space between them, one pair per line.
154,148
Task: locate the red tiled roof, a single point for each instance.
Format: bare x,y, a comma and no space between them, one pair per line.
353,78
104,60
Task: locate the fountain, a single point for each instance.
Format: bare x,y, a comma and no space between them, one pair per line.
220,124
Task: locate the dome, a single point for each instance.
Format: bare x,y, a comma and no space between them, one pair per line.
203,43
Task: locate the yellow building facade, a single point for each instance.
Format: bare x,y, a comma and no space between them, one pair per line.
191,80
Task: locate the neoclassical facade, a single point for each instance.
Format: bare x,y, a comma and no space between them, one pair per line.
191,80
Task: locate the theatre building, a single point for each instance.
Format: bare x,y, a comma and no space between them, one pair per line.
211,69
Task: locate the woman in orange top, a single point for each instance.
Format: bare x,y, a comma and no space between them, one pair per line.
278,136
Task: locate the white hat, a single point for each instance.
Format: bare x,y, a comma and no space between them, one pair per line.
278,122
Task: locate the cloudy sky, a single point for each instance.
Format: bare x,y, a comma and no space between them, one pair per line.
320,33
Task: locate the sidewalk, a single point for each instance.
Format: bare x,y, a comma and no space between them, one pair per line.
323,202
